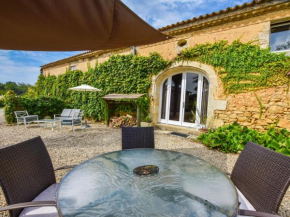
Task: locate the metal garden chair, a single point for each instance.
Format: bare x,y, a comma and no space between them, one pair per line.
25,118
262,178
28,180
66,113
137,137
75,120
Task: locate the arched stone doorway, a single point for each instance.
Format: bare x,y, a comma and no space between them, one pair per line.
184,95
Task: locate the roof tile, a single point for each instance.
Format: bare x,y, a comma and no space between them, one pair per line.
229,9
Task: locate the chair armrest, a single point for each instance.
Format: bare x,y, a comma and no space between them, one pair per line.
65,167
256,213
28,204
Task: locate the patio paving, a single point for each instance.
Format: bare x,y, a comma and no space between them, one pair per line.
67,148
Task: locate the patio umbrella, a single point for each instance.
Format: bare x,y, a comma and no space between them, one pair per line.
85,88
71,25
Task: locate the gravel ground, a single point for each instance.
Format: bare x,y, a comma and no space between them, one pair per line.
1,116
67,148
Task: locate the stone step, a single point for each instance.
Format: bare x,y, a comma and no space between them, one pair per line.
178,129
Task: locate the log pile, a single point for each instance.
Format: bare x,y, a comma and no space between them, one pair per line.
118,122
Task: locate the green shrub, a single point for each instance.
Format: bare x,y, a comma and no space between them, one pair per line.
233,138
1,103
41,106
11,103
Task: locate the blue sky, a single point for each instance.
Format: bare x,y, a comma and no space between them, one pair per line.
24,66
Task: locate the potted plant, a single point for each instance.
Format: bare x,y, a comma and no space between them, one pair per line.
147,122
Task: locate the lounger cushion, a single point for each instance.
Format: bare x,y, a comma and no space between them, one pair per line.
46,211
29,118
69,122
244,203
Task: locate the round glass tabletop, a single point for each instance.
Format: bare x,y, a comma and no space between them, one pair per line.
184,186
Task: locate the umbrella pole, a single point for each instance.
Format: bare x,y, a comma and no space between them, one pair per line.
86,125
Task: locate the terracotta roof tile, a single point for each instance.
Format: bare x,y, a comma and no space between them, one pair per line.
229,9
68,58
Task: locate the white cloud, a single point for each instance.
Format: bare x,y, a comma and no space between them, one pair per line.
16,71
24,66
160,13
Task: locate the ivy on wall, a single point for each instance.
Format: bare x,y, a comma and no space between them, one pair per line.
242,67
120,74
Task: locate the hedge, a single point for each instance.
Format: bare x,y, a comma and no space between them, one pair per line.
41,106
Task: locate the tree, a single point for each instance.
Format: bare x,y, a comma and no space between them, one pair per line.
2,89
19,89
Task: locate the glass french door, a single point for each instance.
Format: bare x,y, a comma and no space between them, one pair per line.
184,100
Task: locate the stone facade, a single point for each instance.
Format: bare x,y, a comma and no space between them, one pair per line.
245,109
247,24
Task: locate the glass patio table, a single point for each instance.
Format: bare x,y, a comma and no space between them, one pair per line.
184,186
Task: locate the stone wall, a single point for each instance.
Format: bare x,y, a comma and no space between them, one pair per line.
244,108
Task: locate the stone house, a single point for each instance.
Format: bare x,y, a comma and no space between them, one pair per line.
265,21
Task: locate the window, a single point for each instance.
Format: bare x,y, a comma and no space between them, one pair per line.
72,68
280,36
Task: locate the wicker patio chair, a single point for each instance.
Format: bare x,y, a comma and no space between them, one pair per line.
25,118
262,178
75,120
27,179
137,137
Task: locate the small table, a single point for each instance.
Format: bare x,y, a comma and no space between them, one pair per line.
49,122
184,186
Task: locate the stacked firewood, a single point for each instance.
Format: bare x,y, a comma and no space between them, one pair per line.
118,122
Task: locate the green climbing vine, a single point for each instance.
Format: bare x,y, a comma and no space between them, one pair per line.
242,67
120,74
260,105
